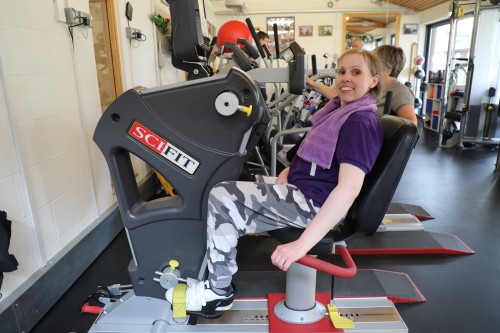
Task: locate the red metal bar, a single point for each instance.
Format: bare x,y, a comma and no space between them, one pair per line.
344,272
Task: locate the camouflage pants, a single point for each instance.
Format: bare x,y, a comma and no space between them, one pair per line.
239,208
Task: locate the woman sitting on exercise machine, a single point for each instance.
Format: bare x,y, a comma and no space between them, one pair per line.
314,193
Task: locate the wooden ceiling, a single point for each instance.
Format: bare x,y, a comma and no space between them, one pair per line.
418,4
362,24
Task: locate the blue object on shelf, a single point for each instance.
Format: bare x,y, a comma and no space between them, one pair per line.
439,92
428,106
435,122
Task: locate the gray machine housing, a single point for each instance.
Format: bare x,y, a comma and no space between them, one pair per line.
185,118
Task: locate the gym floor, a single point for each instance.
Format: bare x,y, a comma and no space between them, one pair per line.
456,185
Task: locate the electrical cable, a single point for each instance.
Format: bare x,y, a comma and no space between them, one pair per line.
70,28
80,116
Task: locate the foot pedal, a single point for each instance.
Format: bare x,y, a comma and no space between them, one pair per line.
179,305
337,320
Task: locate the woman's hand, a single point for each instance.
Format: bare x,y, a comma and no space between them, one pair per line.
283,177
286,254
311,84
327,91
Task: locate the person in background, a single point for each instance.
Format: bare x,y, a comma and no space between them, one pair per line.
392,60
263,40
402,102
357,43
314,193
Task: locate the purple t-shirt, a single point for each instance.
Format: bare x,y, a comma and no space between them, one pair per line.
359,143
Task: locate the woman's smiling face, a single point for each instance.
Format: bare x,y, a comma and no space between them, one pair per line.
354,79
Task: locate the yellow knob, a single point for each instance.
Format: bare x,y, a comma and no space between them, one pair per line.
173,263
490,108
247,110
461,11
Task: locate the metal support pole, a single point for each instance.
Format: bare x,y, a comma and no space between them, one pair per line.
449,56
497,164
470,72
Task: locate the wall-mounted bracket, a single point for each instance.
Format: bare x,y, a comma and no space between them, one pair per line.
133,33
76,17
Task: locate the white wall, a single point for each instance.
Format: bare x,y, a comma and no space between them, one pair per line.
54,182
47,190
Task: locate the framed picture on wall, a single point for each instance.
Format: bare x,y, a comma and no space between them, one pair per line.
305,30
410,29
286,31
325,30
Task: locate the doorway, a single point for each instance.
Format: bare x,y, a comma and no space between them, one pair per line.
106,51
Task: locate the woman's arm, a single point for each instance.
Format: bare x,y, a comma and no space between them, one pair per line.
327,91
331,213
407,111
283,176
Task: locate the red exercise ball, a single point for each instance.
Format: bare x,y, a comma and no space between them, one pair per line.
231,31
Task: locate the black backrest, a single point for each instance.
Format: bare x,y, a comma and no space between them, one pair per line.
379,186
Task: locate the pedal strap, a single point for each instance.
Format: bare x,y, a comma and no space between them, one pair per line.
179,301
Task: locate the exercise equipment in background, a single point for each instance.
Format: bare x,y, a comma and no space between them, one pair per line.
478,123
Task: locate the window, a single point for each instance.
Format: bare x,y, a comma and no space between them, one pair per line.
438,36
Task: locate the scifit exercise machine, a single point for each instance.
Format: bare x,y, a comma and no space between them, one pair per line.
196,143
168,130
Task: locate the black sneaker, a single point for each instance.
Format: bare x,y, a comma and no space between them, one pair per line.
201,300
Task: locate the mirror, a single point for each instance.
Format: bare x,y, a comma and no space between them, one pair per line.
373,28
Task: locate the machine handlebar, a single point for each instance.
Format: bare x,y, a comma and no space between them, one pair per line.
249,48
239,57
387,104
344,272
266,50
276,40
314,65
255,38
